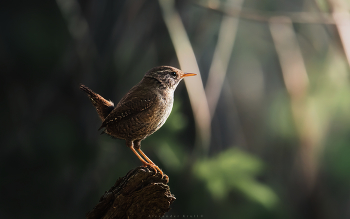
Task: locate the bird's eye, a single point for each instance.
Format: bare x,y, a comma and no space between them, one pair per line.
173,73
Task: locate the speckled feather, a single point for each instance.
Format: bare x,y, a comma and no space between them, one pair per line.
138,116
144,109
103,106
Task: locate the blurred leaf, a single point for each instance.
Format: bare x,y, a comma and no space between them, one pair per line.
234,169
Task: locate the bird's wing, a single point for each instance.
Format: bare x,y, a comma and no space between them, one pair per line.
131,106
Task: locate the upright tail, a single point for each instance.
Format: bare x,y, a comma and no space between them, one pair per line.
103,106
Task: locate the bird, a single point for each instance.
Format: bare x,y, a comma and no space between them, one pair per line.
142,111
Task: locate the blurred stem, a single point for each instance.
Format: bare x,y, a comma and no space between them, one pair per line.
297,83
341,16
79,29
188,63
221,59
290,57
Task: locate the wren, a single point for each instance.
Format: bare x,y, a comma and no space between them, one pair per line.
142,111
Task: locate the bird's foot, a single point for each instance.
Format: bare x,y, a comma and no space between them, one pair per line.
154,167
166,177
156,170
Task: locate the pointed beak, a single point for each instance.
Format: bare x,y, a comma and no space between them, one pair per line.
187,74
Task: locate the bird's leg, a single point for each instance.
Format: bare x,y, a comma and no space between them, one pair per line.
130,144
138,148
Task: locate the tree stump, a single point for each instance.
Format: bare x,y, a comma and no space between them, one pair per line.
139,194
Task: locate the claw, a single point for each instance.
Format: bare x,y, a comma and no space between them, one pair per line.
151,166
155,167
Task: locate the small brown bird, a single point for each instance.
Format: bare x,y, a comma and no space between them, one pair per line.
142,111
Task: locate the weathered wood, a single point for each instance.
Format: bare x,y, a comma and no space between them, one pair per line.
139,194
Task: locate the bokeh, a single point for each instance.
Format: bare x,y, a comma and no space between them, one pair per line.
263,130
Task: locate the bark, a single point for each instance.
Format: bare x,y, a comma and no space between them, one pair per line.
139,194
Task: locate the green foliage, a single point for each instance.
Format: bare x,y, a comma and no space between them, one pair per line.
234,169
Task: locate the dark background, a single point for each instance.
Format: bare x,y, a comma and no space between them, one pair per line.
278,145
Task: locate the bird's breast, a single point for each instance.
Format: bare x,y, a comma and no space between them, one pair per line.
161,112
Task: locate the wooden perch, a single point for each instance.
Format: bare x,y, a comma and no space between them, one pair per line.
139,194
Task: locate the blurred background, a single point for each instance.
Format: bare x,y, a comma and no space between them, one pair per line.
263,131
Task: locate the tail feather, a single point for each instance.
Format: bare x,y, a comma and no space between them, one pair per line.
103,106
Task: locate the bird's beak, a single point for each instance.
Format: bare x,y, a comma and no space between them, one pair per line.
187,74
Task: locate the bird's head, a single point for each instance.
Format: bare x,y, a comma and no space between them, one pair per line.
168,76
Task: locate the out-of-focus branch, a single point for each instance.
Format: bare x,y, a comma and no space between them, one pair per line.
77,25
79,29
297,83
222,55
264,16
290,57
188,63
341,16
